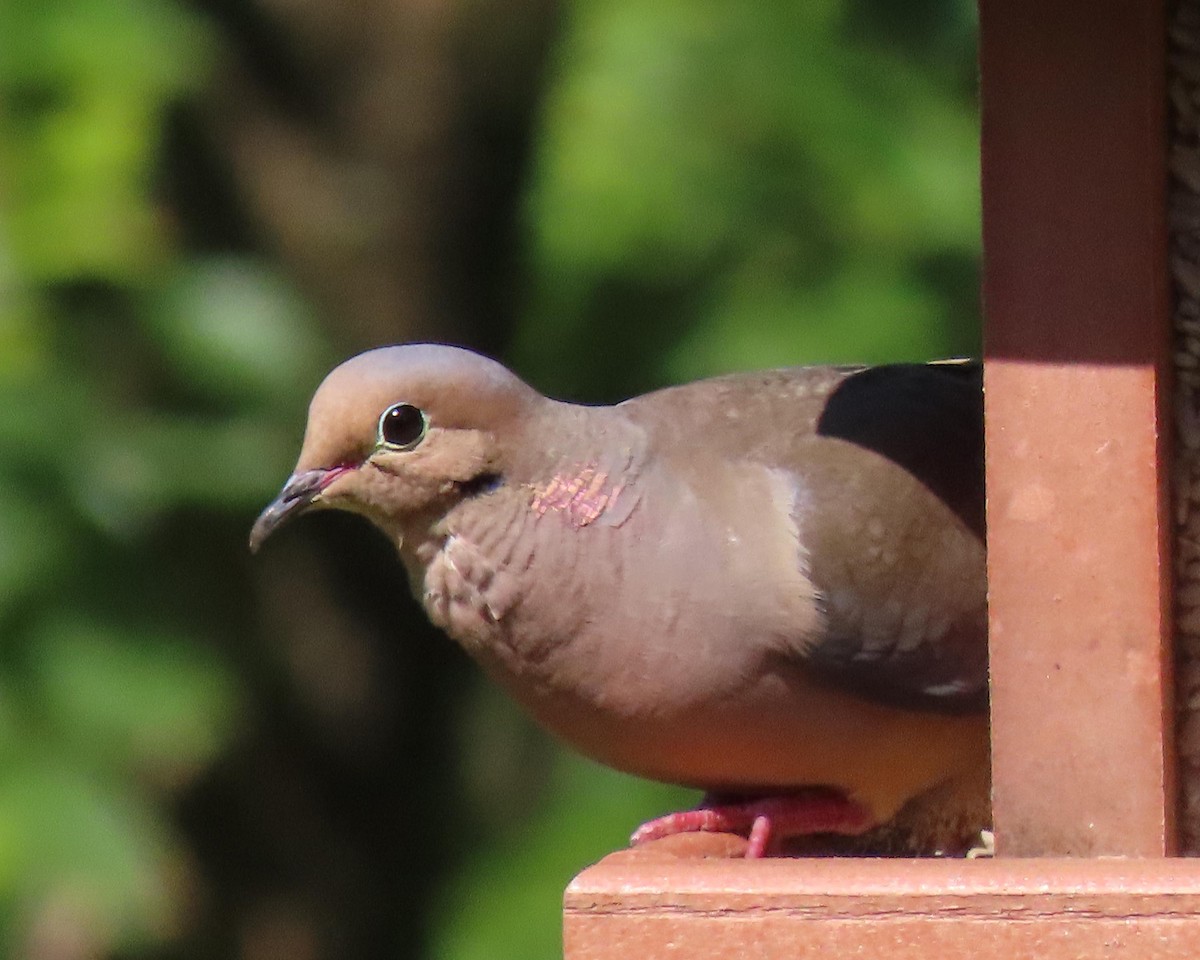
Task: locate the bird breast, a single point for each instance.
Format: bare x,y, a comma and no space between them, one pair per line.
613,618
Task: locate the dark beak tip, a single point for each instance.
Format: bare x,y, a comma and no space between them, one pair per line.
299,493
257,537
263,527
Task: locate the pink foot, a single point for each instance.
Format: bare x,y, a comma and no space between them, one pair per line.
765,819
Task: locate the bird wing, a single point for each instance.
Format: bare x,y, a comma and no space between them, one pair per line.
882,469
890,514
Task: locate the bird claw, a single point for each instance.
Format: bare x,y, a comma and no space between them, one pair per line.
764,820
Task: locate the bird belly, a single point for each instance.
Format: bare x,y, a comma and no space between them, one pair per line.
800,735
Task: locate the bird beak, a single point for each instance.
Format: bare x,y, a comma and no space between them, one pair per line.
300,492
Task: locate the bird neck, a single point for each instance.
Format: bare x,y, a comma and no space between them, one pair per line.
588,470
476,563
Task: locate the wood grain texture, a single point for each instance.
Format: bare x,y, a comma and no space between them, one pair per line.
1076,295
656,907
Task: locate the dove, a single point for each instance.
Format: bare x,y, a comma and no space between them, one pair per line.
769,586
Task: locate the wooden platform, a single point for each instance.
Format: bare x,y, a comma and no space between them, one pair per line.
647,908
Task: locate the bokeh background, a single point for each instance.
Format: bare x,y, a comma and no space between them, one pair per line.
205,206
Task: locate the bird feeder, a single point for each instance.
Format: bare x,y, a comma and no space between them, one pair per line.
1092,408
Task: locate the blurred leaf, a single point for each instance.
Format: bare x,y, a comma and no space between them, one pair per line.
85,84
862,311
97,719
709,180
87,848
148,465
155,706
235,330
507,901
33,547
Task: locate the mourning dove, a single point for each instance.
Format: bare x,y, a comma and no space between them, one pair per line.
769,586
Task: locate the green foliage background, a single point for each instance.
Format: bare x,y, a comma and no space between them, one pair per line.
699,186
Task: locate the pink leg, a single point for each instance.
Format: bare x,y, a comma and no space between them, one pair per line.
765,819
760,838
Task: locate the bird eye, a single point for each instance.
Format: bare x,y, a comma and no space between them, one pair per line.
402,426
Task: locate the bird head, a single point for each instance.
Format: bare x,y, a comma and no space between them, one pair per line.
400,433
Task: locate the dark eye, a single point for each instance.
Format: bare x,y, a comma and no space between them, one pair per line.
402,426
